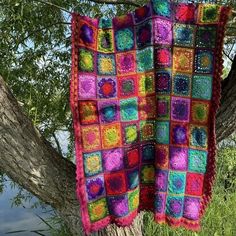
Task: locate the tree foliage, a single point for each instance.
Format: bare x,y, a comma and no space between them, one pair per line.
35,55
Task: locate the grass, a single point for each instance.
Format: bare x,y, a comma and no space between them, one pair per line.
220,216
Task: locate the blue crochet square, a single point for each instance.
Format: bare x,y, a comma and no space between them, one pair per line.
182,84
204,60
174,206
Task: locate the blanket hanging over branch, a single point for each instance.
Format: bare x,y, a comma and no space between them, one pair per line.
144,91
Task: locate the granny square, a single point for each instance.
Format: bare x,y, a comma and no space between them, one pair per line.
144,59
124,39
202,87
163,57
197,161
98,210
111,135
126,63
105,41
130,133
184,35
147,107
204,61
162,156
112,159
91,137
176,182
86,60
198,136
163,107
174,206
181,84
131,157
162,8
146,84
108,111
133,178
180,109
147,130
95,187
127,86
144,94
106,64
133,198
129,109
161,180
163,82
191,208
115,183
87,86
179,158
92,163
118,205
162,32
179,133
206,37
185,13
144,34
147,174
88,112
183,59
200,111
107,87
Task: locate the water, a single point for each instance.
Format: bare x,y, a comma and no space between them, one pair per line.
19,218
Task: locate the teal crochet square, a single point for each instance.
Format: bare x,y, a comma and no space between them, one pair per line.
184,35
105,23
177,182
124,39
162,132
174,206
145,59
202,87
198,136
129,109
197,161
161,8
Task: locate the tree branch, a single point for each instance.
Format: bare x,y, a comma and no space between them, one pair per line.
54,5
115,2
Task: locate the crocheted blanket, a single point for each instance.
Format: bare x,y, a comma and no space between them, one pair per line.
144,91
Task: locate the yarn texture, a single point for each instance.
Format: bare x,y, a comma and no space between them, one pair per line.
144,92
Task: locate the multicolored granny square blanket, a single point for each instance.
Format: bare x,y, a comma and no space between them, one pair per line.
144,92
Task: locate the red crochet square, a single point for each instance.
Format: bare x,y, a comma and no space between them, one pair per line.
147,197
185,12
115,183
194,184
132,157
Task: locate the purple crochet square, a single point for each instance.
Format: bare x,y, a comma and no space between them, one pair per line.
179,134
191,208
160,202
108,111
180,109
87,86
118,205
162,31
161,180
112,159
107,87
95,187
178,158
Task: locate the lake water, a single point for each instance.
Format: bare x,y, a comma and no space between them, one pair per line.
19,218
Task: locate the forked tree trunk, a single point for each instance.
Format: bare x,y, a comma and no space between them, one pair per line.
29,160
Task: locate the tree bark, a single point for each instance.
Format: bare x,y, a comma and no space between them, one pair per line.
226,116
29,160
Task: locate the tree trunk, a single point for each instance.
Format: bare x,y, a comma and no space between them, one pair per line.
29,160
226,116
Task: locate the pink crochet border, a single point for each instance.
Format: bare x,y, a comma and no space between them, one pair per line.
210,174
